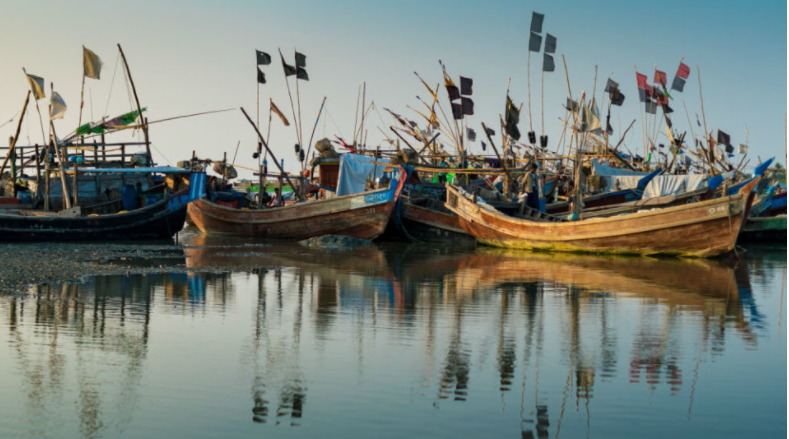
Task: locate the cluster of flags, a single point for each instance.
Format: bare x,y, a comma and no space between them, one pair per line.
535,42
91,68
657,95
465,106
300,70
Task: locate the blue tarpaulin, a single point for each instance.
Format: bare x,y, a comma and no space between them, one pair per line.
354,170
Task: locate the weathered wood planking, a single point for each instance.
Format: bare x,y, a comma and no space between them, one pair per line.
703,229
363,215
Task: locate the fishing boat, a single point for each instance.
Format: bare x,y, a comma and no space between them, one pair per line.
360,215
703,229
157,220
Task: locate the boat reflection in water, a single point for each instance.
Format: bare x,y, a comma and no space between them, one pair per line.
399,340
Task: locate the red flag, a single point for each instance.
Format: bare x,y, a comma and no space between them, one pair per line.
650,90
641,80
683,71
660,77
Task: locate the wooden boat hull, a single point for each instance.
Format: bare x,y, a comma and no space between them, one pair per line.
431,225
704,229
157,221
363,215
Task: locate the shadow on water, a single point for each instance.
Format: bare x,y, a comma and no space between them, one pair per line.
541,332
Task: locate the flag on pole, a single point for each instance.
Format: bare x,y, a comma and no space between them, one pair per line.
289,69
457,111
471,135
58,106
467,106
301,64
91,64
263,58
723,138
617,98
536,22
611,85
683,71
660,78
279,113
743,149
512,118
650,106
681,77
550,43
261,76
547,63
535,41
466,85
453,92
37,85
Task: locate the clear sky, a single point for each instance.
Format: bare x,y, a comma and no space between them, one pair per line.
198,55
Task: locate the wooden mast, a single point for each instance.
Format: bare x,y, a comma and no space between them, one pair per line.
143,122
276,162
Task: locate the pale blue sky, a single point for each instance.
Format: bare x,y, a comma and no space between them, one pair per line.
192,56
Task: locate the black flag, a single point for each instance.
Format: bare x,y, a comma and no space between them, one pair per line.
301,64
465,86
513,117
261,77
535,41
263,58
572,106
301,60
617,98
457,111
490,131
536,22
454,93
723,138
550,43
611,85
289,70
547,63
472,136
468,106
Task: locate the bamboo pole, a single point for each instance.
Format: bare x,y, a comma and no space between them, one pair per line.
61,171
710,152
314,127
292,108
273,157
503,162
137,101
12,146
38,109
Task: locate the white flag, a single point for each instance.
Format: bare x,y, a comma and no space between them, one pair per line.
58,106
743,149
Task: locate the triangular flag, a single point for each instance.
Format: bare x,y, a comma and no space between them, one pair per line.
91,64
279,113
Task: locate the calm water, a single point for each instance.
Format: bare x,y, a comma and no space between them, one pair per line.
400,341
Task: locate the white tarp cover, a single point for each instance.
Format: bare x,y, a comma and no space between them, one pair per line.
354,170
674,184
